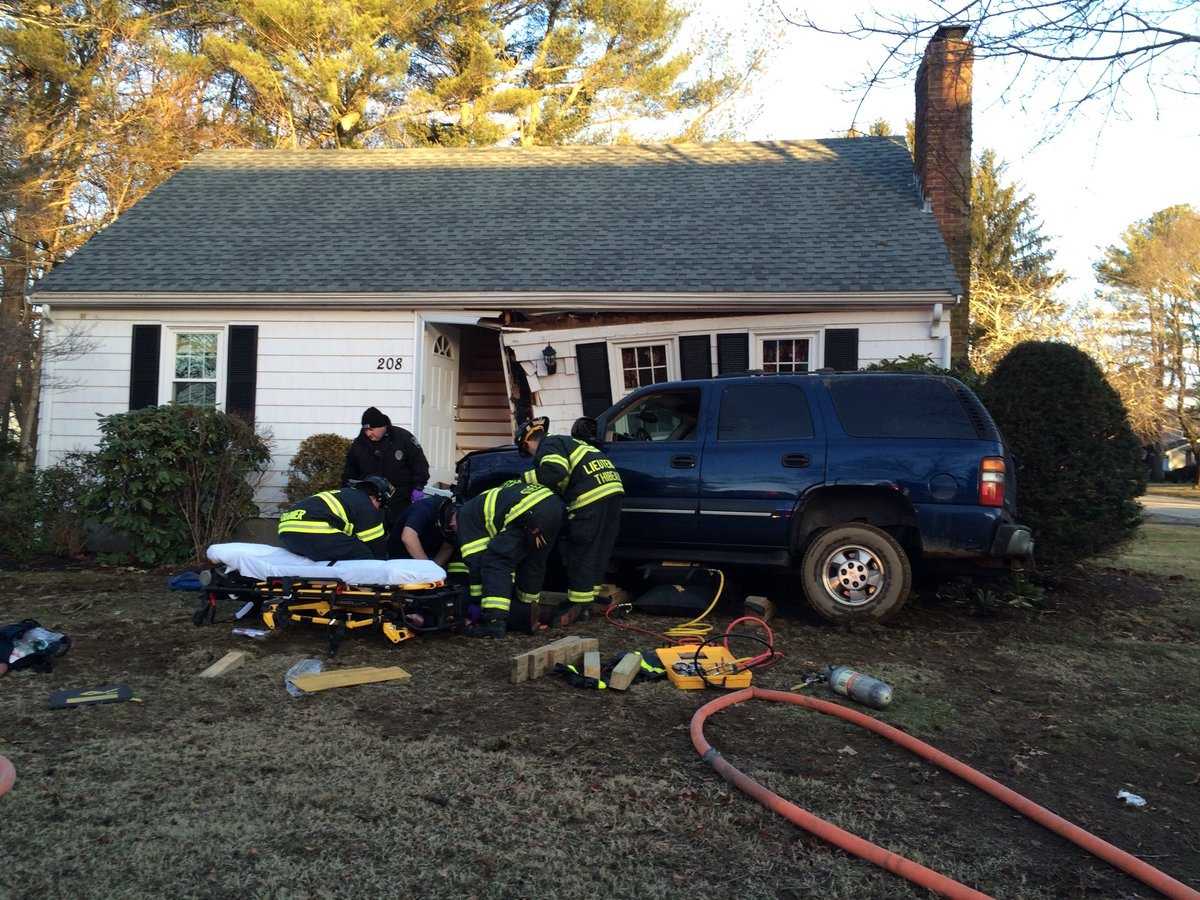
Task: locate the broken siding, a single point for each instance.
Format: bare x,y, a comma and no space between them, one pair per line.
317,372
882,334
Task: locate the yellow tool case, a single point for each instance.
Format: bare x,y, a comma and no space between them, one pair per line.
716,667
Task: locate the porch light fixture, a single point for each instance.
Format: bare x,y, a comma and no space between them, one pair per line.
550,357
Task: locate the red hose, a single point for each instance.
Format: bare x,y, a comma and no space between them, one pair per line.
899,865
7,776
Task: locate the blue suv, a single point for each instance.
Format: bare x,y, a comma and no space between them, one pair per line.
847,478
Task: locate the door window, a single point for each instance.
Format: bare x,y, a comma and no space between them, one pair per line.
667,416
764,412
195,373
785,354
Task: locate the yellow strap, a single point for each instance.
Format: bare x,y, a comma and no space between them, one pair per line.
597,493
335,507
527,503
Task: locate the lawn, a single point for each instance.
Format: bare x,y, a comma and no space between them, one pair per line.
458,784
1181,491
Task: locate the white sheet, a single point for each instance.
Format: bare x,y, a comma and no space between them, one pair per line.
265,561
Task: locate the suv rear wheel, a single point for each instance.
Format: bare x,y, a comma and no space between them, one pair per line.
856,573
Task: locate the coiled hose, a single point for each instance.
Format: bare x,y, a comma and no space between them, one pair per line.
894,863
7,776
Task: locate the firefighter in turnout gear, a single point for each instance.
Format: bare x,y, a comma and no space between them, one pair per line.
505,536
337,525
591,488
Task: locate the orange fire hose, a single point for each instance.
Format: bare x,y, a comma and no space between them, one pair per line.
899,865
7,776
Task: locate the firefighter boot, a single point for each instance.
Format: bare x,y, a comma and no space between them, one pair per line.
488,627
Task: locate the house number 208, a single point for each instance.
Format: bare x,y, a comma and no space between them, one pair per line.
390,362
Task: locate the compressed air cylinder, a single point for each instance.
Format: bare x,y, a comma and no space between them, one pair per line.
857,686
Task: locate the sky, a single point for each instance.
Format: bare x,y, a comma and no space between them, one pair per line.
1097,176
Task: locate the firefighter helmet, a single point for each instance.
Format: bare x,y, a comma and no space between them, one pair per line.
376,486
527,428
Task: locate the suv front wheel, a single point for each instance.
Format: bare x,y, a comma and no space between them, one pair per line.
856,573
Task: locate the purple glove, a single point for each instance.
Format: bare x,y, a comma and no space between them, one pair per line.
417,494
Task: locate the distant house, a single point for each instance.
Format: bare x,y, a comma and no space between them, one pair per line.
450,286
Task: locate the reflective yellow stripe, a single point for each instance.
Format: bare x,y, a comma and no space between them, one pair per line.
495,603
477,590
529,598
581,596
371,533
555,458
457,568
470,549
597,493
581,450
489,511
530,476
335,506
526,504
307,528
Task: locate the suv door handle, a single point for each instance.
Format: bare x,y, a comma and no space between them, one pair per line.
795,461
683,461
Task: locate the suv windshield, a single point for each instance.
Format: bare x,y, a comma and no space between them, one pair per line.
666,416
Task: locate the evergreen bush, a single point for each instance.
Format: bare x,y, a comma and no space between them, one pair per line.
923,364
1078,462
317,466
176,478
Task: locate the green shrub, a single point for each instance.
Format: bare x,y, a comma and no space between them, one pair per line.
1078,462
317,466
923,364
19,504
175,479
42,511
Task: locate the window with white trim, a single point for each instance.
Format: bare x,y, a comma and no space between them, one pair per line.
195,367
644,364
786,354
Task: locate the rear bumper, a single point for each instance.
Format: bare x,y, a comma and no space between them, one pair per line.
985,534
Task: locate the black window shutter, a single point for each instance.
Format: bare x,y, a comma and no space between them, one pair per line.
695,357
595,388
143,366
733,353
841,349
241,378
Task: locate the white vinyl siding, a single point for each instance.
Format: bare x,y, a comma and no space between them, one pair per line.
882,334
317,372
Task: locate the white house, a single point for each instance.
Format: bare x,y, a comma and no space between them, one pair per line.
298,288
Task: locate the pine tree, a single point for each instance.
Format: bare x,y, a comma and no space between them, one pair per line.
1007,241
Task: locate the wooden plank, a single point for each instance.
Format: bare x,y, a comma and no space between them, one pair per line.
347,677
535,663
759,606
626,670
591,664
226,663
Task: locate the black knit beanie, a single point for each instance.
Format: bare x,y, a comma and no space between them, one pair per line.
373,418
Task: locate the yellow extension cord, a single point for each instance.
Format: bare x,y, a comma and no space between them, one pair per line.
694,628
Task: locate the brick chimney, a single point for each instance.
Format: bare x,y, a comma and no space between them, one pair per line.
943,156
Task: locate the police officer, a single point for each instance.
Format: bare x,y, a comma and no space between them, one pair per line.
506,535
591,488
382,448
339,525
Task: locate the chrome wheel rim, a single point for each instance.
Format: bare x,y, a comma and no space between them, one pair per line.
852,575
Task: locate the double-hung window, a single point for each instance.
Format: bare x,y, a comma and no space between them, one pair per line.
194,366
786,354
644,364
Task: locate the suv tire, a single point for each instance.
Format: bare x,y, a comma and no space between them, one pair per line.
856,573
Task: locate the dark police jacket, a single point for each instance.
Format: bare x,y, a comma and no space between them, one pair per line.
396,456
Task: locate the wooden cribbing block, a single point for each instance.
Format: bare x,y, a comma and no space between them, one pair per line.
347,677
610,593
626,670
535,663
759,606
591,664
226,663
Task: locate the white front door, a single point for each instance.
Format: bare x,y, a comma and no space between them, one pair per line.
439,401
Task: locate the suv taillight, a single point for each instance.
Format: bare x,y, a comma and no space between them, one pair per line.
991,481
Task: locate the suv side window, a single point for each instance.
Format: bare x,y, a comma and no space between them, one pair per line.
899,407
764,412
665,416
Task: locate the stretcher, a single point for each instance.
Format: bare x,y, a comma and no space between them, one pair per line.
400,597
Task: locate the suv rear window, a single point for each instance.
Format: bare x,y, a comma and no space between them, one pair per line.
764,412
899,407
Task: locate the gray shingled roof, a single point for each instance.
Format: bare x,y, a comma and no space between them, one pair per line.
797,216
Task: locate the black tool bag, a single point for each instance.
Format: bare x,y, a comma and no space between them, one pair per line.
40,660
